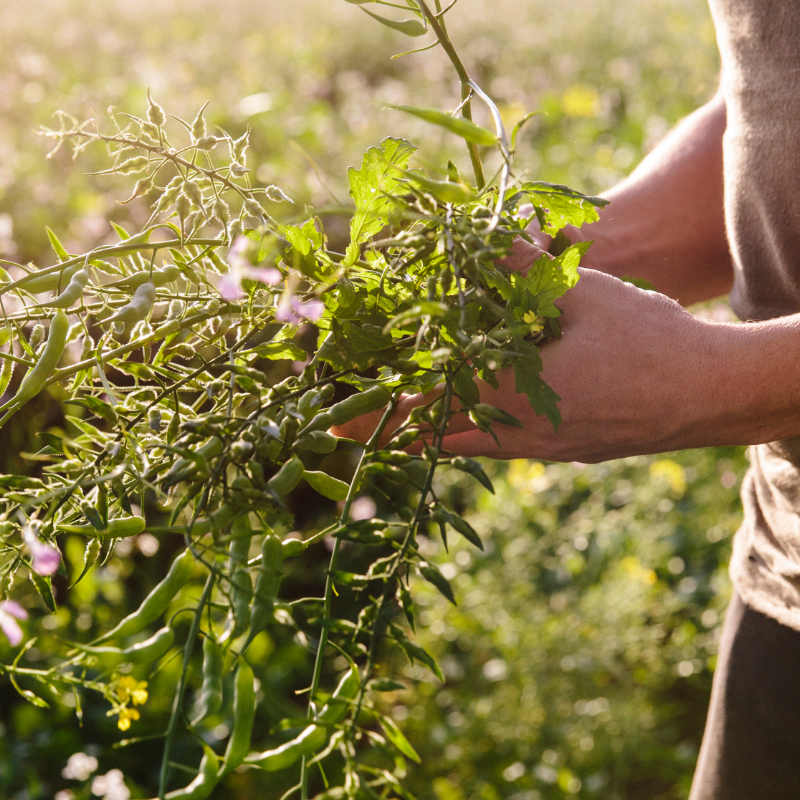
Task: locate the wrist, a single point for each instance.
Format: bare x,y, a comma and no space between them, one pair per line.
751,391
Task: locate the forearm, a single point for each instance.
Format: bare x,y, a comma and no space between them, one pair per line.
751,394
665,222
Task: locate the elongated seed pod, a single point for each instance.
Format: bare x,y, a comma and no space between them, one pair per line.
206,779
336,708
244,713
267,584
138,308
35,379
354,406
311,739
210,698
117,528
159,278
148,651
36,284
73,291
241,592
154,605
185,468
287,477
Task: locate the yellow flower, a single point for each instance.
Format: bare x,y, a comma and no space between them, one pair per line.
125,717
129,688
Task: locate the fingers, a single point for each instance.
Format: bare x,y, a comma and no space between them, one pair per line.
523,254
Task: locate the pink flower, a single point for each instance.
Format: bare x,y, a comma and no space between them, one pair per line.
44,557
290,309
230,286
10,627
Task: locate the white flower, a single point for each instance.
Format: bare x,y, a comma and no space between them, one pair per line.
79,767
111,786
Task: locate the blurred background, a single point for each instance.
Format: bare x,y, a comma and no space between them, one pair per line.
580,656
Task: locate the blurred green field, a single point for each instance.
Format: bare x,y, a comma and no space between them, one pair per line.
579,659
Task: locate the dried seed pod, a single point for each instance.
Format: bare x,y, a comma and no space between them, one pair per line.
155,113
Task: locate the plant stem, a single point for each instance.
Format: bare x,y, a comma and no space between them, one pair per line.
323,639
176,706
466,89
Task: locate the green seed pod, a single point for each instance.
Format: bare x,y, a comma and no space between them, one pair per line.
160,277
206,142
317,442
156,603
254,208
37,336
34,380
406,438
309,741
236,228
146,652
185,468
335,709
244,712
154,420
241,592
192,191
183,205
287,477
354,406
199,124
292,548
132,166
221,211
202,786
210,698
73,291
396,457
155,113
35,284
167,199
138,308
238,147
267,584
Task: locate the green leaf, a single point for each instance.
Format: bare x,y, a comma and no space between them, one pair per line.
557,206
444,191
97,407
527,373
369,188
45,592
462,127
548,279
434,577
398,739
464,385
410,27
280,351
639,283
416,653
472,467
329,487
59,248
459,524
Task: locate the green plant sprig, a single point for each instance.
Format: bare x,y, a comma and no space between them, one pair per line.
199,402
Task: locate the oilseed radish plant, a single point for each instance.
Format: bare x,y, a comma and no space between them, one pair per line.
202,361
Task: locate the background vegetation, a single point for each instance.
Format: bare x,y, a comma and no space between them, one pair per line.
579,659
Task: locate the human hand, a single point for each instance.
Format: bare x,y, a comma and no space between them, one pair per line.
633,369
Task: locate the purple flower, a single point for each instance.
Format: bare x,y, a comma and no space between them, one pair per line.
230,286
44,557
10,627
290,309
